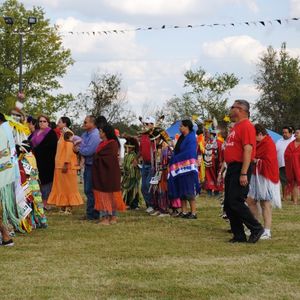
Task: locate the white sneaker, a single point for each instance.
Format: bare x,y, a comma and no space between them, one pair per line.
149,210
163,215
265,236
247,232
155,213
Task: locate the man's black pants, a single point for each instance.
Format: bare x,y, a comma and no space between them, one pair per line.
234,203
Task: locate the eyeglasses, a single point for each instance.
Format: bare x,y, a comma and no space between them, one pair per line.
43,121
16,115
233,106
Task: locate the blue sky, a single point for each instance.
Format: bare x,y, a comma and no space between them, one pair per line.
152,63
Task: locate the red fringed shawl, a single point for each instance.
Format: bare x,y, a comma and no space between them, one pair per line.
267,163
292,165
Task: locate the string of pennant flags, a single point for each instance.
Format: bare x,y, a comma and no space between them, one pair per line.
262,23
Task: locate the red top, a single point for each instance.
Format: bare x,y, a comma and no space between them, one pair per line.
243,133
145,148
58,132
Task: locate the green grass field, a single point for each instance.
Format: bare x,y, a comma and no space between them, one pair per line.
145,257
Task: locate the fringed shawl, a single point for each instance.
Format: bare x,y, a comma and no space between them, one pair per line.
183,171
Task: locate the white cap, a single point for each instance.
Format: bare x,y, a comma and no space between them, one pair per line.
150,120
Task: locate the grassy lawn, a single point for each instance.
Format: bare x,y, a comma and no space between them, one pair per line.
146,257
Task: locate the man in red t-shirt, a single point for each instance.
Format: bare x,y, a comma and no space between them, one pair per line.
145,155
238,154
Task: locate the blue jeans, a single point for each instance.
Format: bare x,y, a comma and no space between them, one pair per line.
146,178
91,213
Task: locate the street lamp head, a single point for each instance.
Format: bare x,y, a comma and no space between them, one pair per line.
32,20
8,20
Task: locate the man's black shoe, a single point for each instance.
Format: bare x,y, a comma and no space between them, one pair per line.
254,237
185,215
192,216
234,240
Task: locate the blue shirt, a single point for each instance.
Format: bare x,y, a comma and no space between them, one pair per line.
89,144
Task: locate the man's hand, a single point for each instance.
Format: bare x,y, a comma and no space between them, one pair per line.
243,180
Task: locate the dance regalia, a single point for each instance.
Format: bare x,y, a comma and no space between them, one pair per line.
130,179
183,171
30,184
8,173
212,160
292,166
264,183
201,150
20,131
162,191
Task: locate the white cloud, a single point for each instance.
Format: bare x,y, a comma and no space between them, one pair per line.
153,7
294,8
239,47
251,4
136,10
178,7
99,47
144,79
245,91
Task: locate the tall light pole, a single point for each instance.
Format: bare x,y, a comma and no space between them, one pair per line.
21,32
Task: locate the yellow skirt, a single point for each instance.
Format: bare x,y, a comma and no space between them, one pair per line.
65,189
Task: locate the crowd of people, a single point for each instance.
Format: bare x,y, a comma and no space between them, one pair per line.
237,162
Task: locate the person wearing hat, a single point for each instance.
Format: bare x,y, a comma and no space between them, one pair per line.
146,154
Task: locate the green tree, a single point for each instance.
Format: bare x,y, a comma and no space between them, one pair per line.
179,108
207,96
106,97
278,80
45,60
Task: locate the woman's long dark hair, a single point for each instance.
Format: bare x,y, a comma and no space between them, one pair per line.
110,133
188,123
66,121
185,123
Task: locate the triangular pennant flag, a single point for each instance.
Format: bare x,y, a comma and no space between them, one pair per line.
262,23
93,32
149,28
176,26
279,21
232,24
295,19
247,23
216,24
105,32
163,27
115,31
190,26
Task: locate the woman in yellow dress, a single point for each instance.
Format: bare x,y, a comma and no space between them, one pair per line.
65,193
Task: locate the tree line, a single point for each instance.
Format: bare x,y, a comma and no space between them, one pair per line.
46,61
